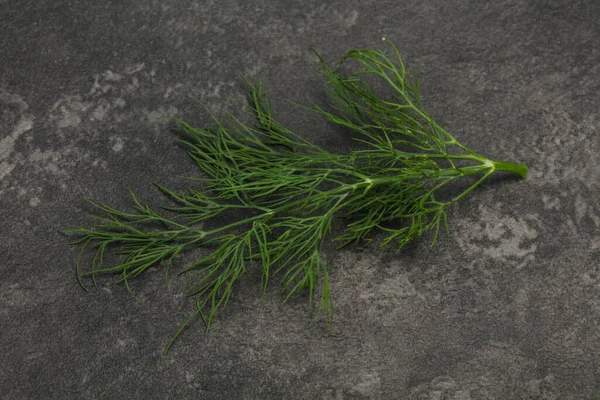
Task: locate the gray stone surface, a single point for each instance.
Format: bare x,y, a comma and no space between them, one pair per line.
506,306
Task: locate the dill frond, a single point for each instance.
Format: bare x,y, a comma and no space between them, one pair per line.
290,190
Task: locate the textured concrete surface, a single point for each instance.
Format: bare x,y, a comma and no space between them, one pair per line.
506,306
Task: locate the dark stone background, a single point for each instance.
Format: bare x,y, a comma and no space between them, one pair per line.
506,306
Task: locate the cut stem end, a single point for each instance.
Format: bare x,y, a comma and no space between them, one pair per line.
519,169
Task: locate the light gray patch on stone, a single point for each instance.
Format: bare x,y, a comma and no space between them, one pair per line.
119,102
11,98
103,100
35,201
69,119
99,88
560,137
485,375
171,89
133,86
132,69
5,169
68,111
56,162
348,18
7,144
24,124
117,143
112,76
100,112
499,236
367,385
551,203
581,207
154,116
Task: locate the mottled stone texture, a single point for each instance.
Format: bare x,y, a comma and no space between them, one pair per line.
506,306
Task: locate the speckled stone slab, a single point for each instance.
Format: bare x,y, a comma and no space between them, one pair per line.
504,306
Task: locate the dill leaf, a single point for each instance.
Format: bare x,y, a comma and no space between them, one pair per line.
289,190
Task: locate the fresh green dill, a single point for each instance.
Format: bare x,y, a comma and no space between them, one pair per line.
289,191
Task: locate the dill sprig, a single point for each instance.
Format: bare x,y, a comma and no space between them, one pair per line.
288,191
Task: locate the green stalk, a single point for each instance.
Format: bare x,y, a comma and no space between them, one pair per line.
518,169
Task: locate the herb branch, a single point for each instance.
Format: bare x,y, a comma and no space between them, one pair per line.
290,190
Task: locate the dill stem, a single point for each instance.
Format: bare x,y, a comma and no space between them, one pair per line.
470,188
519,169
